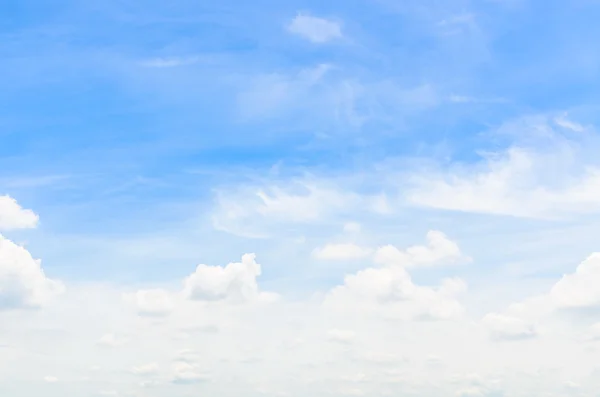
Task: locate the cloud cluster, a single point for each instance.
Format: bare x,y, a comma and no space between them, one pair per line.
23,283
13,216
390,290
378,331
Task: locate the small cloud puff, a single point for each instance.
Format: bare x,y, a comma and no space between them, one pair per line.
314,29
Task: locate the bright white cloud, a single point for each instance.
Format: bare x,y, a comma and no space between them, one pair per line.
23,283
439,249
507,327
340,335
151,302
341,252
146,369
13,216
317,30
574,291
185,373
256,210
390,290
234,282
579,289
548,175
111,340
356,344
373,334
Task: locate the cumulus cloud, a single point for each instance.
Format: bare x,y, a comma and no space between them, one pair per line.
341,252
315,29
507,327
233,282
151,302
579,289
390,290
439,249
23,283
574,291
13,216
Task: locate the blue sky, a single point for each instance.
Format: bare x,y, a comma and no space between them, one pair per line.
335,141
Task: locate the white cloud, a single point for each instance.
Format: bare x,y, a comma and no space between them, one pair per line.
50,379
317,30
545,175
185,373
111,340
390,290
574,291
579,289
13,216
366,335
439,249
146,369
341,252
507,327
254,211
352,227
234,282
23,283
594,332
565,122
151,302
340,335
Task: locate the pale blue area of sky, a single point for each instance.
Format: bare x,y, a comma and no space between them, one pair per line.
121,118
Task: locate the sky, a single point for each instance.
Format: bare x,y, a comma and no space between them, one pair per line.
300,198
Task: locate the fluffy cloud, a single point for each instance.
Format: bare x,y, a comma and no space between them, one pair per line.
579,289
23,283
111,340
344,341
439,249
574,291
390,290
146,369
234,282
185,373
151,302
317,30
341,252
339,335
13,216
507,327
